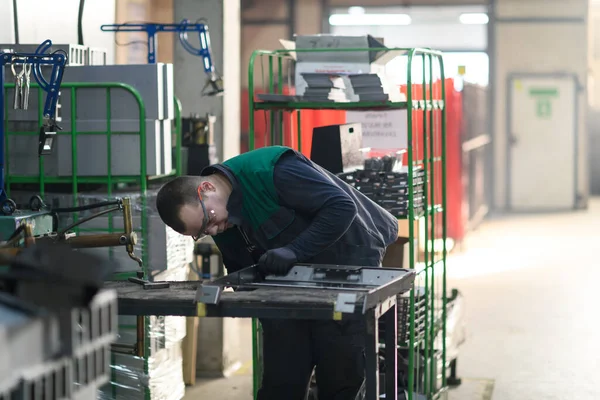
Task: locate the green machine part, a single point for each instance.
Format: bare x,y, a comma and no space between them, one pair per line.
42,222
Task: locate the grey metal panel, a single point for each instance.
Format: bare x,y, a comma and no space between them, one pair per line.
166,148
169,91
92,154
147,79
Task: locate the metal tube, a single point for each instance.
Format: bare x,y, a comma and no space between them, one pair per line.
371,355
178,160
140,336
427,166
74,163
122,348
299,130
272,116
102,240
127,220
391,352
444,219
256,350
109,182
42,174
411,233
128,227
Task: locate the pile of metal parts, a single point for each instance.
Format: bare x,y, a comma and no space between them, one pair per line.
57,323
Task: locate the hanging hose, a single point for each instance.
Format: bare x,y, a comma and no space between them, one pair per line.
86,207
16,21
86,219
79,22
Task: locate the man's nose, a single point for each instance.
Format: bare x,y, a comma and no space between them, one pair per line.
212,230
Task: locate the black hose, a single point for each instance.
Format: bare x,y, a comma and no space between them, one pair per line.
86,219
80,23
87,207
16,21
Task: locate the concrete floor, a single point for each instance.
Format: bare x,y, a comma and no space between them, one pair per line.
530,285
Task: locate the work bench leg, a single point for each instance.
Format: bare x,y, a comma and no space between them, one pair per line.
371,356
391,353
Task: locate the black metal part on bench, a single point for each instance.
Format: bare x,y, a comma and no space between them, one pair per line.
349,282
149,285
317,293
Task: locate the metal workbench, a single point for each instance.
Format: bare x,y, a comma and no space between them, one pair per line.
368,293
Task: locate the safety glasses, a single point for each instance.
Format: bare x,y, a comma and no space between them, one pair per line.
205,221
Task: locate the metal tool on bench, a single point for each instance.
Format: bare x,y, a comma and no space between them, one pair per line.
375,282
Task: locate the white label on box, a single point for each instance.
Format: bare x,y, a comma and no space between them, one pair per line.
381,129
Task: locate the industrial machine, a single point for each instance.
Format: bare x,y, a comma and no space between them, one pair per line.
24,230
57,323
214,83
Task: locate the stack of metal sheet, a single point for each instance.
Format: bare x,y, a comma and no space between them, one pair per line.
154,83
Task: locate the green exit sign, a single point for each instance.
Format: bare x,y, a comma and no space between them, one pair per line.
544,97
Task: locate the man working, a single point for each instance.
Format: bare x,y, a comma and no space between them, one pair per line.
274,207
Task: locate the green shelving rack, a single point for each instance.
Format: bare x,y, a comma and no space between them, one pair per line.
134,183
424,347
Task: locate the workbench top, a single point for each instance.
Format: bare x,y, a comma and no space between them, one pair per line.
179,299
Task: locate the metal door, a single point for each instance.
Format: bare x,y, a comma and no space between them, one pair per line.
542,142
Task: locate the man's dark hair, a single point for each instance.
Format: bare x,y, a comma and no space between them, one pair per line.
175,194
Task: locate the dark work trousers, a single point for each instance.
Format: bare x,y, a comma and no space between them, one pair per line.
293,348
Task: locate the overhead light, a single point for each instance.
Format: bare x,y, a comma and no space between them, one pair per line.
474,18
356,10
369,19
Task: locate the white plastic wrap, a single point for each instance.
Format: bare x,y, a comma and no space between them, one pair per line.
456,326
161,378
456,330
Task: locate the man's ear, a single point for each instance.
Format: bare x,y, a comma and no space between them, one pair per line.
206,186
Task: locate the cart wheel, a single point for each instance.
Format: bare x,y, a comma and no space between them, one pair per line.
8,207
36,203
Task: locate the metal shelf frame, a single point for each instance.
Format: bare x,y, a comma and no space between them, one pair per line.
426,138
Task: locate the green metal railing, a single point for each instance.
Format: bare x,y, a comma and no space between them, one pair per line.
426,149
138,183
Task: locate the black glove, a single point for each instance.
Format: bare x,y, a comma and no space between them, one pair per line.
277,261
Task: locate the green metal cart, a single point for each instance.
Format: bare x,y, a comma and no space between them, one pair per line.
422,324
138,184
